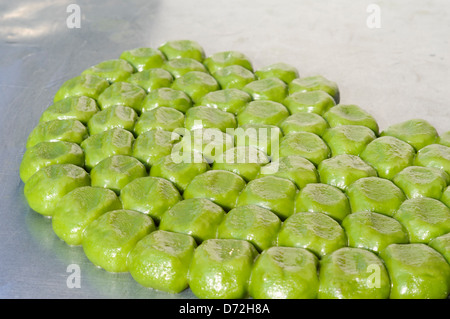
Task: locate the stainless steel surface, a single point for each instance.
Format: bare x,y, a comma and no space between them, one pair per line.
398,71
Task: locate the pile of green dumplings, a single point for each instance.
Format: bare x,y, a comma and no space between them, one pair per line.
332,207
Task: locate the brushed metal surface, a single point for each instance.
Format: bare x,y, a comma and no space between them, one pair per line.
398,71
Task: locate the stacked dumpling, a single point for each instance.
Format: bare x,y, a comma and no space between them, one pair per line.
198,171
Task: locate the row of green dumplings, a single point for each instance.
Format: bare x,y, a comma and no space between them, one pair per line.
248,250
126,106
131,136
106,153
388,155
341,171
203,219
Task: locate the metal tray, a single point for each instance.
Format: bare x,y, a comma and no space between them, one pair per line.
391,58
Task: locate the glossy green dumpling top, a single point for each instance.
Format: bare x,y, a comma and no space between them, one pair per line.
117,171
314,231
348,139
108,240
419,133
434,155
180,66
151,79
424,218
388,155
417,271
167,97
318,102
81,108
375,194
343,170
180,173
196,84
271,192
112,117
304,122
89,85
315,83
199,117
163,118
223,59
419,181
116,141
220,186
197,217
122,93
272,89
150,195
263,112
306,144
182,49
49,153
161,260
353,273
144,58
78,208
282,71
154,144
234,77
246,161
221,268
69,130
48,185
293,167
285,273
113,70
324,198
350,114
442,245
373,231
253,223
229,100
444,138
